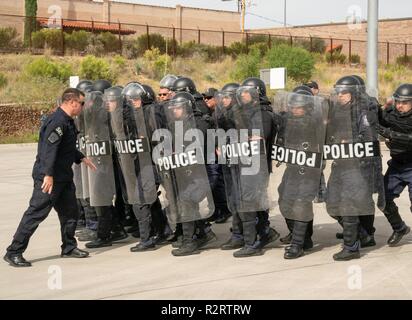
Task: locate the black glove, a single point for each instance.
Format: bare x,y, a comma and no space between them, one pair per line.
385,132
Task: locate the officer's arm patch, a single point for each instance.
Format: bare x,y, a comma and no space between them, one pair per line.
53,137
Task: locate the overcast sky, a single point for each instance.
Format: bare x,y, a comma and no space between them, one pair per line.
269,13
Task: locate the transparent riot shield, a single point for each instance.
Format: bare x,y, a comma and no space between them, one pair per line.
102,188
243,142
178,152
355,182
297,152
132,145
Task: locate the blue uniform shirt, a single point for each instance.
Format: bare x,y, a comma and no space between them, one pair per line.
56,150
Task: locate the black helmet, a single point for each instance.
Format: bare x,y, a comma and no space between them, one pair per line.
82,85
101,85
168,81
184,84
403,92
112,93
303,89
150,94
88,88
230,87
134,91
256,83
182,99
349,84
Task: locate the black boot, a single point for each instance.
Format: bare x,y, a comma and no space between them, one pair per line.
351,241
189,244
233,243
295,250
270,236
252,246
398,225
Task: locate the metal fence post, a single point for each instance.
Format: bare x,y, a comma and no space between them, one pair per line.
269,41
198,35
174,42
62,33
387,52
148,36
120,38
223,42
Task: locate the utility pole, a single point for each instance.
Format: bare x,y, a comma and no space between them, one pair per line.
284,15
372,57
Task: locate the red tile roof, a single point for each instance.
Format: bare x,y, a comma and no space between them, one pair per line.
88,25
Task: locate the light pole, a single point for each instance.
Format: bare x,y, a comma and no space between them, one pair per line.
284,15
372,60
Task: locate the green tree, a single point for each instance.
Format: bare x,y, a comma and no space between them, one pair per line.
30,20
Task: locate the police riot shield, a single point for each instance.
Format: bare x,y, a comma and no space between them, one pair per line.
77,169
297,152
178,152
242,145
132,145
99,150
355,183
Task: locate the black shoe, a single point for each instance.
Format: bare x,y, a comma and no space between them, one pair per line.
186,249
293,252
339,235
88,236
308,244
17,261
132,228
397,236
75,253
345,255
141,247
247,251
99,243
223,218
286,239
178,243
209,237
368,241
233,244
118,235
272,236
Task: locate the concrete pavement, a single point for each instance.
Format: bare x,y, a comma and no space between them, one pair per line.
116,273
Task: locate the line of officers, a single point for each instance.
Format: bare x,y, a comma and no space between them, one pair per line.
156,169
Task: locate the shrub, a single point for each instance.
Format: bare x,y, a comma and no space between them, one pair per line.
299,62
109,41
404,60
8,37
157,62
3,80
77,40
354,58
192,48
335,57
236,48
94,68
246,65
38,39
44,67
119,61
318,45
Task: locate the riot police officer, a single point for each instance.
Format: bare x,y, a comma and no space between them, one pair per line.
269,127
355,176
396,126
185,84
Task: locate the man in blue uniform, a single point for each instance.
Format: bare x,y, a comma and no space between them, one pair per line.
53,181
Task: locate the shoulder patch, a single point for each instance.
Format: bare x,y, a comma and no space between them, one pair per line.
53,137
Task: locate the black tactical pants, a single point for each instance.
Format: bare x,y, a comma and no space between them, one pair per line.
63,200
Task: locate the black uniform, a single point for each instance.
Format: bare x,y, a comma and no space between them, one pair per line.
397,127
56,154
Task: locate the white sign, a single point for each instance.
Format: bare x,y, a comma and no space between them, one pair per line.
277,78
74,81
